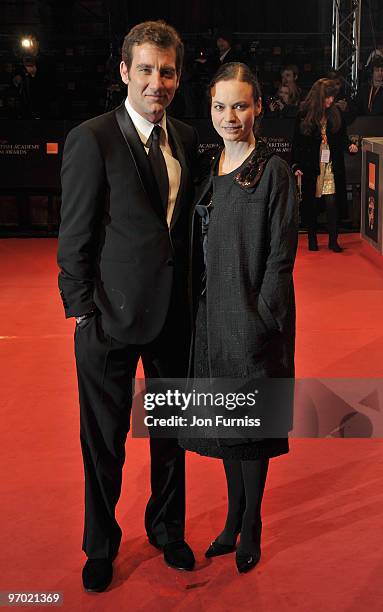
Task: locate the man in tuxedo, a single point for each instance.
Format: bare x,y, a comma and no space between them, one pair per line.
225,49
123,252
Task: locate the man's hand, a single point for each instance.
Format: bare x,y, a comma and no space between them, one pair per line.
353,148
298,173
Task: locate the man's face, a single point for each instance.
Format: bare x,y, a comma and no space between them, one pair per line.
223,45
152,80
377,75
288,76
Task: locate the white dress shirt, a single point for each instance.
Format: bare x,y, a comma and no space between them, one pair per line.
222,57
144,129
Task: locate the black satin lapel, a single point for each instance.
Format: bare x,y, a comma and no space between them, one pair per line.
207,182
140,159
204,188
179,153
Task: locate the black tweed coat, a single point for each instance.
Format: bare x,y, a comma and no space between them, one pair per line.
252,243
250,306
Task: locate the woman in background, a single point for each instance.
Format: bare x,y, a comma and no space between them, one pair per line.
319,143
286,104
244,243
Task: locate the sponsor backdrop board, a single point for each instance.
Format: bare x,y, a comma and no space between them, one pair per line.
372,192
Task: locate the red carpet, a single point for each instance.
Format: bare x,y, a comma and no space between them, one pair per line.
322,542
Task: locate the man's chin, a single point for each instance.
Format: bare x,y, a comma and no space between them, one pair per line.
156,110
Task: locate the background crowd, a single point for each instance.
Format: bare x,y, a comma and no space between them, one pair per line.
33,91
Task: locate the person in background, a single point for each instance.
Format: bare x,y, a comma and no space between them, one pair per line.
245,231
375,54
225,48
36,88
319,143
369,100
342,100
290,75
286,103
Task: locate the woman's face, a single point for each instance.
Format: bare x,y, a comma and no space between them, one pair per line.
328,101
284,93
233,110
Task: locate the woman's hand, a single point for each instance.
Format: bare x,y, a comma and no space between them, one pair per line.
298,173
353,148
342,105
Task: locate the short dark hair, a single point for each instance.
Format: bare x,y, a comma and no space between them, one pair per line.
236,71
293,67
157,33
377,62
225,35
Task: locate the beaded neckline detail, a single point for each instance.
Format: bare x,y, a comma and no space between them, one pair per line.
251,172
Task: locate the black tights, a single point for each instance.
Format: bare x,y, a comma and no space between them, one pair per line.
331,214
245,486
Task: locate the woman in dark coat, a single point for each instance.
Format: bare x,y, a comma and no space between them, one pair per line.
244,242
319,144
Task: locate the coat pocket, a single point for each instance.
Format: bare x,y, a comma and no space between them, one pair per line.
266,315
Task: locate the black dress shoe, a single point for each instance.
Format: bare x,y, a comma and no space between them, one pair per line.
179,555
335,247
245,562
97,575
313,242
216,549
313,246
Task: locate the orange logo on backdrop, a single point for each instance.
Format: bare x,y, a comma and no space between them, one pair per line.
52,148
371,176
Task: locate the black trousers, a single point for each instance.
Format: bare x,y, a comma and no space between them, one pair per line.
105,369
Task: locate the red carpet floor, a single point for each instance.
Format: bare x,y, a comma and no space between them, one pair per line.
322,542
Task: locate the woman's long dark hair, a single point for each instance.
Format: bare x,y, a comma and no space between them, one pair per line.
238,72
313,107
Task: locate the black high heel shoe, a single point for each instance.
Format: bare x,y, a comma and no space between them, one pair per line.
246,561
216,549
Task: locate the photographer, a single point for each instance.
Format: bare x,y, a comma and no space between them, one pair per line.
286,103
35,89
369,101
342,100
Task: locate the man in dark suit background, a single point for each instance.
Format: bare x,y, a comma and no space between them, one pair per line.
123,251
225,48
369,100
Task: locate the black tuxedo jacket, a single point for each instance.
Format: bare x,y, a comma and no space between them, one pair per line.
116,252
